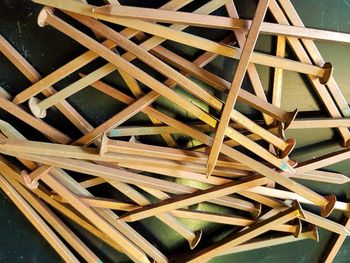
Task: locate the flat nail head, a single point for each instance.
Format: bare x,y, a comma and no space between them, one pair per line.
280,130
43,15
297,205
195,241
256,213
345,143
30,184
299,228
291,143
293,163
327,210
291,118
328,67
315,234
35,109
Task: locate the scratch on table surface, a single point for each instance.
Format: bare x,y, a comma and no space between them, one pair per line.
322,18
19,28
25,52
22,46
347,2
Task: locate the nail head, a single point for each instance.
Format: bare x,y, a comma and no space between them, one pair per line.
328,67
291,117
30,184
291,143
298,228
35,109
327,210
43,15
195,241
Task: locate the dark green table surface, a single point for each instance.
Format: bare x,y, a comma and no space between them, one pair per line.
47,49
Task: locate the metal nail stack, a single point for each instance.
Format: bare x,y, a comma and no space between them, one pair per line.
234,171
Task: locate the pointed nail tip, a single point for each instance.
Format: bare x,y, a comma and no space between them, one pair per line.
286,167
122,217
126,217
103,146
16,101
210,169
347,232
344,180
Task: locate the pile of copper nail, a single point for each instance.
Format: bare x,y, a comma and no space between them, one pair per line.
237,165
